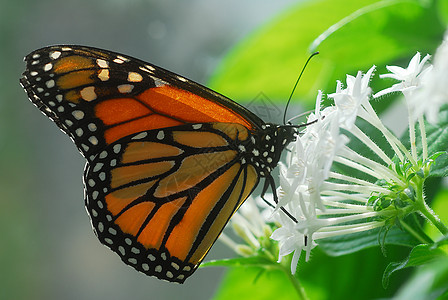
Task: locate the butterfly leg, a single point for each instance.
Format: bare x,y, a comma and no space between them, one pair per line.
269,183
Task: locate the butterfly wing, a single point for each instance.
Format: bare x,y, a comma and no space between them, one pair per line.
160,198
97,96
165,170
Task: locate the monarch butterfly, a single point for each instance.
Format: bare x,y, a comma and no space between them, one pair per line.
169,161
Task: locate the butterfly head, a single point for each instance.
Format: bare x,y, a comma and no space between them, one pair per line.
268,144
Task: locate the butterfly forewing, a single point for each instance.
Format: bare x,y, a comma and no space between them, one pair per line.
87,91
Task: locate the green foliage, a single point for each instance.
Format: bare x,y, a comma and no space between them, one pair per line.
429,282
323,277
420,255
350,35
255,283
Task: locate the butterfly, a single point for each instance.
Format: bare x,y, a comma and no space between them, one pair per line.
169,161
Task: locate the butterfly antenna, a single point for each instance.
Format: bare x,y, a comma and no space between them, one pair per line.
294,88
305,113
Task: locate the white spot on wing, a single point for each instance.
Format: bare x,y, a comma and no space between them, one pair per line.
120,59
140,136
134,77
151,257
146,69
78,114
55,54
125,88
93,140
48,67
92,127
50,83
117,148
103,75
150,67
88,93
79,132
102,63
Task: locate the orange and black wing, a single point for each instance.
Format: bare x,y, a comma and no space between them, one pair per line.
169,161
97,96
160,198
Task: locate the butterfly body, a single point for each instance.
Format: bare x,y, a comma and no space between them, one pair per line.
168,160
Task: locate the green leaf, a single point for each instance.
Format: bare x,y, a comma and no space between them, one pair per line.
420,255
270,59
255,283
429,282
354,276
441,242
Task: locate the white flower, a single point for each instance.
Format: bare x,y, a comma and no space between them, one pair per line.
290,240
410,78
349,100
434,92
316,196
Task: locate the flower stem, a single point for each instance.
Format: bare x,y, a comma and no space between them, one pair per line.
426,211
296,284
412,133
429,214
424,141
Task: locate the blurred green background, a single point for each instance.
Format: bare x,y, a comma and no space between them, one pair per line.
47,247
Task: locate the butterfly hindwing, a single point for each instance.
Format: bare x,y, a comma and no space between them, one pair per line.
160,198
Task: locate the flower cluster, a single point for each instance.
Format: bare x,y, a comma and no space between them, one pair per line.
327,201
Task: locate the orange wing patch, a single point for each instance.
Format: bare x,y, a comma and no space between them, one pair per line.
76,79
233,131
128,174
132,219
138,151
191,108
119,199
140,124
72,63
245,184
154,232
184,234
120,110
193,170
